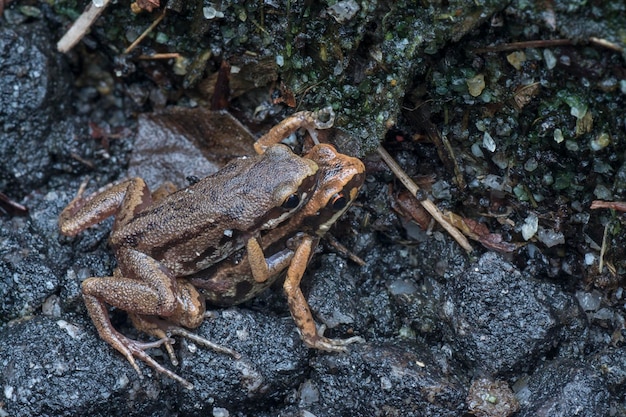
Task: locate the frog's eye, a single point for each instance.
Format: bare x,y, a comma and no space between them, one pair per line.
291,202
338,201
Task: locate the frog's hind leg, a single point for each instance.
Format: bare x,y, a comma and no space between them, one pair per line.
163,330
130,348
155,293
86,211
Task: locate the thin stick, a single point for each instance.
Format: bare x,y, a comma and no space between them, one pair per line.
603,248
428,205
547,43
606,44
145,33
168,55
522,45
81,26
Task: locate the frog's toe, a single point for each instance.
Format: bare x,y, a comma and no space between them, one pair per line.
179,331
159,368
134,349
348,341
334,345
154,327
331,345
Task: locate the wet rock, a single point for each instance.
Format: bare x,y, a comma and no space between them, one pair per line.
611,364
26,277
502,321
60,367
33,101
406,284
396,380
564,388
31,257
333,295
272,364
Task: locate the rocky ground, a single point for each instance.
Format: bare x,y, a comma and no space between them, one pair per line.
518,137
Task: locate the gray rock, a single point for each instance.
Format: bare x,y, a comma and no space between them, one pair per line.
502,321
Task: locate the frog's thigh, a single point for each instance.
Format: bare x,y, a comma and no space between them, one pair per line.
127,294
151,292
298,306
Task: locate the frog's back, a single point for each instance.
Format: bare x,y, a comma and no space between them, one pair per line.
198,226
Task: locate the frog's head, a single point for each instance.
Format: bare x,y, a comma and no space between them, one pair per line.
282,182
339,179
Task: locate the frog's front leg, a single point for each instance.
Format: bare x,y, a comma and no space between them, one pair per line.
309,120
263,268
299,307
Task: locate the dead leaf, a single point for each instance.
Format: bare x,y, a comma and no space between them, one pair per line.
524,94
480,233
148,5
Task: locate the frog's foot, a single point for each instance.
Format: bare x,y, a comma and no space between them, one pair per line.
163,330
149,325
179,331
311,121
132,349
319,341
320,119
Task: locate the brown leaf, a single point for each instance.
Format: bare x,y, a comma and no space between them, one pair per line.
406,205
524,94
480,233
148,5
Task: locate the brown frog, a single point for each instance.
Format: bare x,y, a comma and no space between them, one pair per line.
230,236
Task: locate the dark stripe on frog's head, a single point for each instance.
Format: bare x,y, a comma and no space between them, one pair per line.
328,214
279,214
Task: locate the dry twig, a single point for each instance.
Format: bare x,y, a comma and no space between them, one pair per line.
145,33
547,43
81,26
427,204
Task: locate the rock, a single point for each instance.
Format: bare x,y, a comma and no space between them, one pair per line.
565,387
502,321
